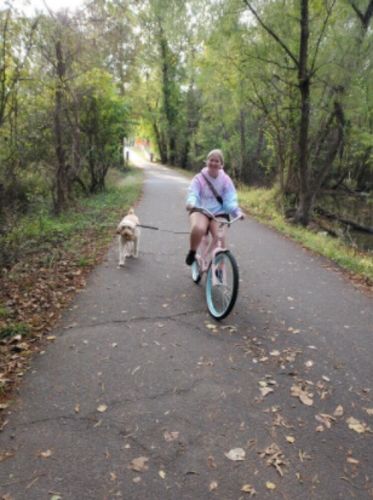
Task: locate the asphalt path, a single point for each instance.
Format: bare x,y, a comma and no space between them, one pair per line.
143,396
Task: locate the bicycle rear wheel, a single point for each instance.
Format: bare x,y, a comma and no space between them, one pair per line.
222,290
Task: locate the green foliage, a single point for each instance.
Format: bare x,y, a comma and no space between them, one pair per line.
4,312
43,230
14,329
264,205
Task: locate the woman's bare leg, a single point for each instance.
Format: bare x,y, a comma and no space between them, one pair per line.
199,224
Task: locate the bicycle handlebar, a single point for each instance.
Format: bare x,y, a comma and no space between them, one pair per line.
210,214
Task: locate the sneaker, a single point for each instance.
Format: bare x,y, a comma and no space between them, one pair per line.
190,258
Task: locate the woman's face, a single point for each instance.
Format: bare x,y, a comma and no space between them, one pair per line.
214,165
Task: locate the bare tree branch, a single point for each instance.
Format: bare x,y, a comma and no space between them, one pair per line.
321,35
272,33
364,17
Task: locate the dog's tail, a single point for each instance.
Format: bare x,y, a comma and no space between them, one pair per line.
131,211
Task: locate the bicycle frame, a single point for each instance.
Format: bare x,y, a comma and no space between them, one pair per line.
208,248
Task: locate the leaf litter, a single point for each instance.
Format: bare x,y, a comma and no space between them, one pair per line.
275,458
139,464
236,454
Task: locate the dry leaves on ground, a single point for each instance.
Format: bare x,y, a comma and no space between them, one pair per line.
357,426
139,464
236,454
247,488
274,457
170,436
303,396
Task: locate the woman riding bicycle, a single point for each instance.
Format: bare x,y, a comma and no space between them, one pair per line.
211,189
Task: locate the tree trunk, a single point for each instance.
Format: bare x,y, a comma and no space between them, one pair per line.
305,198
60,200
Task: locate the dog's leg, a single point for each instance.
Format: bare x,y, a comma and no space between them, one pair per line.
136,246
122,254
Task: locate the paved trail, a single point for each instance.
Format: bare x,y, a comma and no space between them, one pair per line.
138,345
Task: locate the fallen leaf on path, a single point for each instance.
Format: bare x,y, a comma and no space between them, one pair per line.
45,454
270,486
265,391
139,464
171,436
274,457
302,395
211,462
231,328
205,362
102,408
275,353
236,454
77,408
290,439
325,419
136,479
247,488
303,456
338,412
213,485
369,411
113,476
357,426
6,454
279,420
353,461
162,474
210,326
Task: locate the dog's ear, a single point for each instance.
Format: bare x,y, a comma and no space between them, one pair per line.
131,211
117,230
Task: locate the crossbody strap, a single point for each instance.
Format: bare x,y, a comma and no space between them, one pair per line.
210,185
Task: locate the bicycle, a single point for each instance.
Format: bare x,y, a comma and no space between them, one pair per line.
221,269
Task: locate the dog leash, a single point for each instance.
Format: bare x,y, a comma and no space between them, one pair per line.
147,227
163,230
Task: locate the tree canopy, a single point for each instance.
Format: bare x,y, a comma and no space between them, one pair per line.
285,89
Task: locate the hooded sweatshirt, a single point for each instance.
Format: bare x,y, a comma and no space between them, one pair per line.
200,194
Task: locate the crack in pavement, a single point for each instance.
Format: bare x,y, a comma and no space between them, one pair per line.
136,319
113,405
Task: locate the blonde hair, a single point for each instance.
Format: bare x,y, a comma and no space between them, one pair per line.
217,152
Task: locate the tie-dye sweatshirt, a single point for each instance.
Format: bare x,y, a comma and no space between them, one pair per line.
200,194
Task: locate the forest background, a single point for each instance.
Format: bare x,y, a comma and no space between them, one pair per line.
284,88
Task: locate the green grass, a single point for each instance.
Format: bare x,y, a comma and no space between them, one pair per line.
263,204
14,329
98,213
4,312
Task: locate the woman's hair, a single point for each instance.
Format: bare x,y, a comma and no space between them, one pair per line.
217,152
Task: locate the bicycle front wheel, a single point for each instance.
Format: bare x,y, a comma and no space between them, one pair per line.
222,289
